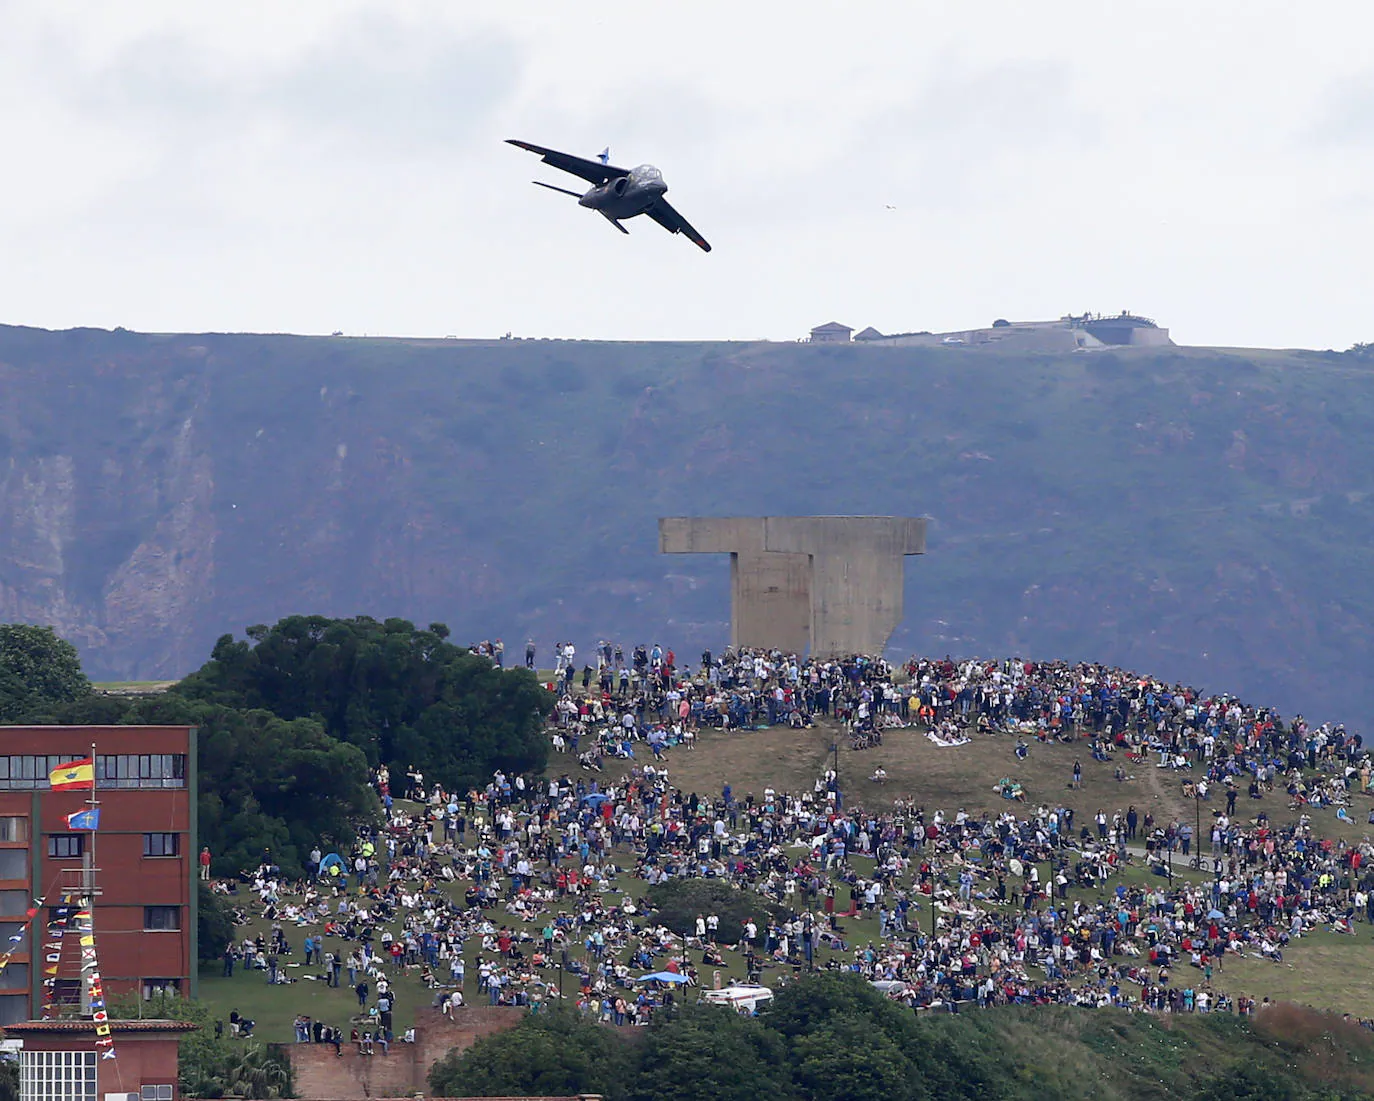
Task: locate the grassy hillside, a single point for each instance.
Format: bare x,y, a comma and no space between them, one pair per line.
1204,515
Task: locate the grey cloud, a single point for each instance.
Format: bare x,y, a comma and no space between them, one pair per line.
374,81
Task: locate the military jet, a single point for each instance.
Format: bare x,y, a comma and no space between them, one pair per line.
618,193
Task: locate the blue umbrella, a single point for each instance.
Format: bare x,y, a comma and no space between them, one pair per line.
663,976
595,797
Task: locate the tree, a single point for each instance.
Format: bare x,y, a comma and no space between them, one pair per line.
856,1016
679,901
38,671
846,1063
215,926
818,1001
401,695
710,1053
553,1052
266,784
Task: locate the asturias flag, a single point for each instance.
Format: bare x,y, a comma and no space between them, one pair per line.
73,776
84,819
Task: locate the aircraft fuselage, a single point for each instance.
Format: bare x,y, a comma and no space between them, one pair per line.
626,196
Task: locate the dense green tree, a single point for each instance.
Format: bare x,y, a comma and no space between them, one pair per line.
403,696
215,925
553,1052
818,1001
844,1062
942,1057
268,786
710,1053
677,903
38,671
276,788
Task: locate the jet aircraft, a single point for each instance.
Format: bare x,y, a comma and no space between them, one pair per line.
618,193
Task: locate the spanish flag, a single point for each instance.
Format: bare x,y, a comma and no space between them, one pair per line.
74,776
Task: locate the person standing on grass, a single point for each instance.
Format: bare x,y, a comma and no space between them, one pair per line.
361,990
205,863
1077,773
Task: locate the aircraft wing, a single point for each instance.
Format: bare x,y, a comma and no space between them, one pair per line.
592,171
663,213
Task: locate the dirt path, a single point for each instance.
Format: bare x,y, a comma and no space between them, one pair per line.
1169,795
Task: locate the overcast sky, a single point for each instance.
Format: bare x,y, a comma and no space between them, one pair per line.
309,166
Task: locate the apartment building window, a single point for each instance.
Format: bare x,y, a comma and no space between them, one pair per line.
14,829
158,919
15,977
153,987
25,773
161,844
66,846
8,930
57,1075
145,770
14,1008
156,1093
14,863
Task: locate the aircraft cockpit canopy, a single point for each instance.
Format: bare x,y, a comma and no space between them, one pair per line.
646,173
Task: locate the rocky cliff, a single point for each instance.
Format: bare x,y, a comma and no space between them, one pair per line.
1205,515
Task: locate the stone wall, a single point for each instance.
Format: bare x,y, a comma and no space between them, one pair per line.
323,1076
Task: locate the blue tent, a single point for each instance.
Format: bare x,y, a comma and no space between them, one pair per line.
332,860
663,976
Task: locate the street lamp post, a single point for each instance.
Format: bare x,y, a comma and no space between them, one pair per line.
1197,826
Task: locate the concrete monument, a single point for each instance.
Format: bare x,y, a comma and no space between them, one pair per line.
831,582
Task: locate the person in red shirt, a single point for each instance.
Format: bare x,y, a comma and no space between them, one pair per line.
205,862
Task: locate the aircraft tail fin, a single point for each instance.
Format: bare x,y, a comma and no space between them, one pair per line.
605,155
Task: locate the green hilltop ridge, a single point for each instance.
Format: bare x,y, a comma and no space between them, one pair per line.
1203,514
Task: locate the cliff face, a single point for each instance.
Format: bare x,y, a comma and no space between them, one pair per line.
1201,515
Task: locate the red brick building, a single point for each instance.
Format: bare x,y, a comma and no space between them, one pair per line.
142,859
59,1061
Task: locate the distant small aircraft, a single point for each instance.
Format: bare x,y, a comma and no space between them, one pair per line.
618,193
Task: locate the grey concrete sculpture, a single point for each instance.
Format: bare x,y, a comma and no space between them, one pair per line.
833,582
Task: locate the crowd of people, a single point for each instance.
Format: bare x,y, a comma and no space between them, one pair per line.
538,883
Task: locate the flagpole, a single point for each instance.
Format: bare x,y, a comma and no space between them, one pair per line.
88,880
94,804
